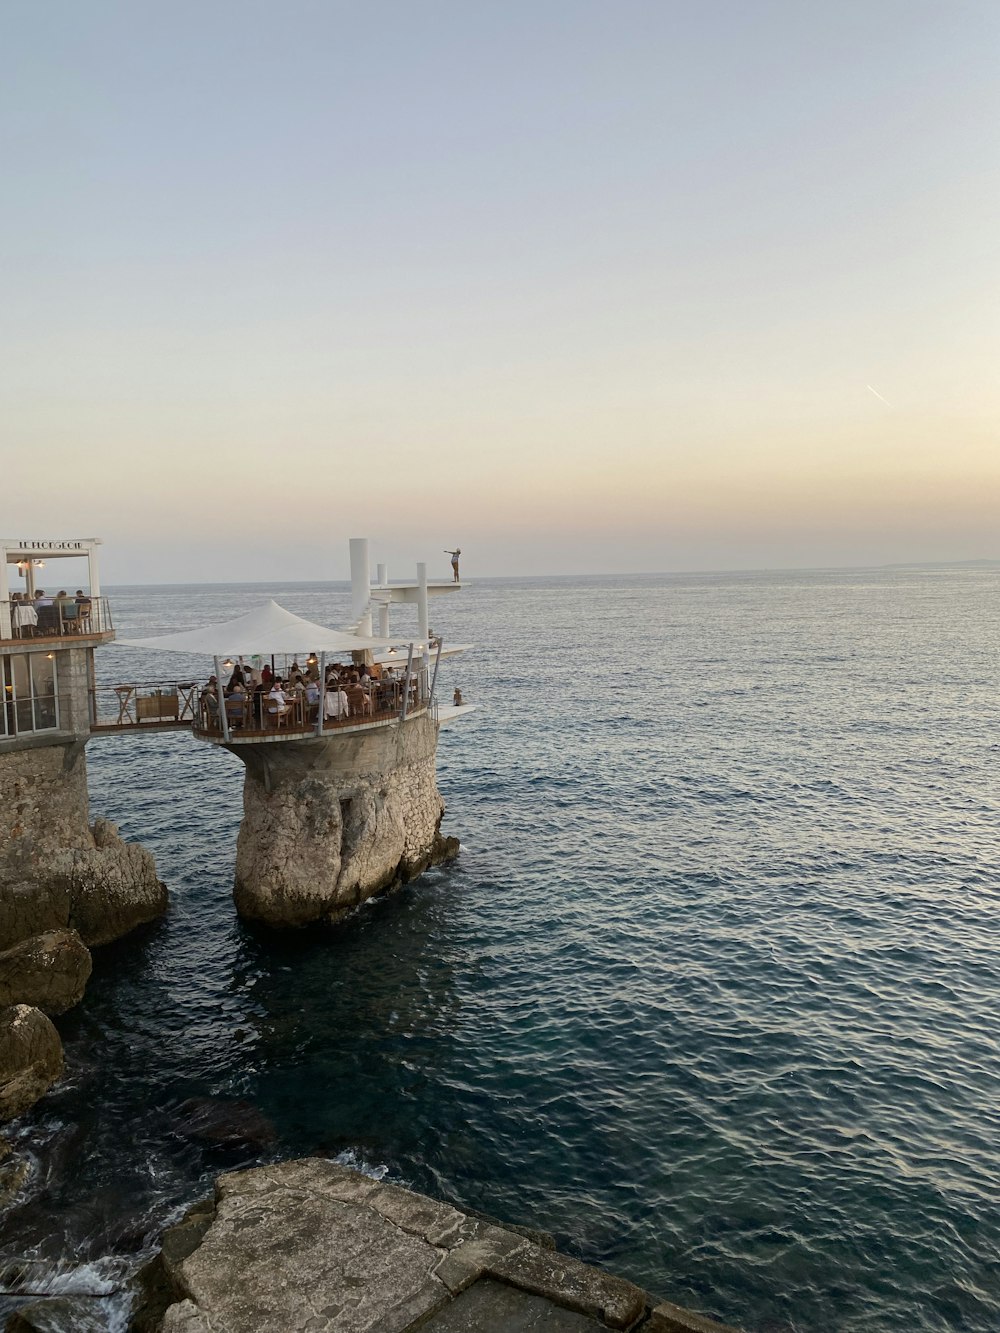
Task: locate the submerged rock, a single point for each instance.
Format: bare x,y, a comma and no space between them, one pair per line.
225,1124
58,1314
31,1058
48,971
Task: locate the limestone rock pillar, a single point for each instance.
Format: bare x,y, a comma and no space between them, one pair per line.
58,872
331,821
64,885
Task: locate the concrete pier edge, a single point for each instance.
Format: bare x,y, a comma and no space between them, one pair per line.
314,1246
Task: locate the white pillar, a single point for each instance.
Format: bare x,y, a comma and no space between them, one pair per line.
361,586
382,578
94,572
422,617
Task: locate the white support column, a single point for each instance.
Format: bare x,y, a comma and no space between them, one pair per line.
94,572
383,609
361,586
422,617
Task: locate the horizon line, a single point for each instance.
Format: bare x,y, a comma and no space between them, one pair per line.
591,574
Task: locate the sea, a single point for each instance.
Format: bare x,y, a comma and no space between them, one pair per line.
711,993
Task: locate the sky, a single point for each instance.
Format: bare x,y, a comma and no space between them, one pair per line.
579,287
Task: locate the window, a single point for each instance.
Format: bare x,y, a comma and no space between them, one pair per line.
31,701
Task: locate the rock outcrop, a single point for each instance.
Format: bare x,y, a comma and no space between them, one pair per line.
312,1246
330,822
30,1058
64,886
49,971
56,872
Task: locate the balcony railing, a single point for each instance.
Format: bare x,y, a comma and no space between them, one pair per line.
60,620
256,715
139,706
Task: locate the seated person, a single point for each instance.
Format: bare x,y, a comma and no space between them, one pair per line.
236,700
67,608
277,704
335,704
209,699
356,696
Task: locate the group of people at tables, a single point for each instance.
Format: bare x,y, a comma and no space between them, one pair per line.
256,696
61,614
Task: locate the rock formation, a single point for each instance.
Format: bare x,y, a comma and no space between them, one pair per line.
48,971
330,822
56,872
311,1246
30,1058
63,886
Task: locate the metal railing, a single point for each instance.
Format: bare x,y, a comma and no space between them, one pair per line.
68,618
256,714
136,705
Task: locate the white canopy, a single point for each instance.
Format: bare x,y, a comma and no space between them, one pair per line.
268,629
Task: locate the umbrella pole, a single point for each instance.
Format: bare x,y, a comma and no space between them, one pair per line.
437,663
406,685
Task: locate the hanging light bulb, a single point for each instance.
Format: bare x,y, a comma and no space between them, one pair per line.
228,664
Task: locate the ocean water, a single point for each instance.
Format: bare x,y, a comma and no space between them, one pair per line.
711,993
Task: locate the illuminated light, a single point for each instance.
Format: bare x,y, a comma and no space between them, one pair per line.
228,664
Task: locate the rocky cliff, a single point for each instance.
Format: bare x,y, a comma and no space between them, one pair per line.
64,886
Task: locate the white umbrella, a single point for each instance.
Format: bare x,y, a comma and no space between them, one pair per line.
266,630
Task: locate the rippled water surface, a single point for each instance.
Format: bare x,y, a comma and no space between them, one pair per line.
711,992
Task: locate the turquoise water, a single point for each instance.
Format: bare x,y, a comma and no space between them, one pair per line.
711,992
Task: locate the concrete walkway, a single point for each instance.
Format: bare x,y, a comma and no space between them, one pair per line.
311,1246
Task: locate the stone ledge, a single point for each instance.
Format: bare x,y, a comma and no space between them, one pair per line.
312,1246
668,1318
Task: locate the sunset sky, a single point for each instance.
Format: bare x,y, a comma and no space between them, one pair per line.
579,287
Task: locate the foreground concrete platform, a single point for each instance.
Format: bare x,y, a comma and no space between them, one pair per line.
311,1246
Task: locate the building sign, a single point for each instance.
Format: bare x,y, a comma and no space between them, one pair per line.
52,546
